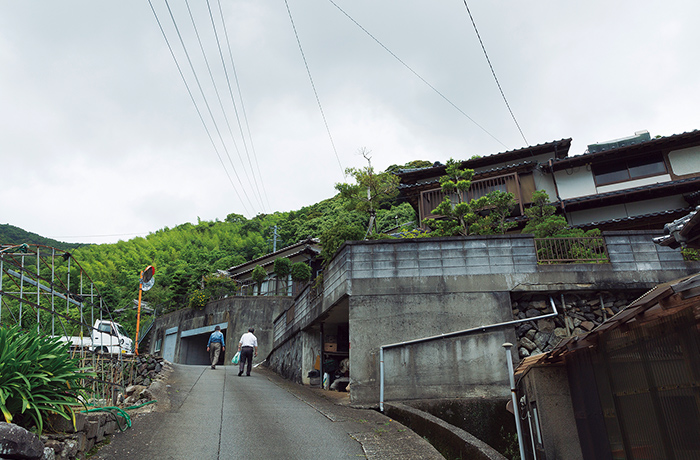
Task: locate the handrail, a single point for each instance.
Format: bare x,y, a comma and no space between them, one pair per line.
451,334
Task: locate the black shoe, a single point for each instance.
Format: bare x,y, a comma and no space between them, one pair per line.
240,373
213,367
247,375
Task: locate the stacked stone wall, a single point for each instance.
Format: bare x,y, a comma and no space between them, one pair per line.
578,314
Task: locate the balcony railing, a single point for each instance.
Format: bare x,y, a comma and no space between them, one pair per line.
430,199
591,250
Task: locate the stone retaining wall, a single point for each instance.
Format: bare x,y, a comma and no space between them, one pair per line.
579,313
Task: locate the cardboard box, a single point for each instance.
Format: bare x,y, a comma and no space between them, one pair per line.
330,347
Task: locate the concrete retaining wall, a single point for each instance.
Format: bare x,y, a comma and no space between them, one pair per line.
401,290
235,314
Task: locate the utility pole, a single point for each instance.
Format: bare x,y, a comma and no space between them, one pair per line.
274,240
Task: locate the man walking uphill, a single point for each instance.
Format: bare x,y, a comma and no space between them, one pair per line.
215,346
247,346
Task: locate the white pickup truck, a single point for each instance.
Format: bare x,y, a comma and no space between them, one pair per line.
105,337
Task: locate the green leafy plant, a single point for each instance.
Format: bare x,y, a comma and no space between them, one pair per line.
259,275
485,215
333,238
690,254
371,191
301,272
218,287
198,299
37,378
281,268
558,240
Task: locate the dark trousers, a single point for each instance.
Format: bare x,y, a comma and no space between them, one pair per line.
246,356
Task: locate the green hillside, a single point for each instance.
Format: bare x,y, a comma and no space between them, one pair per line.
186,256
9,234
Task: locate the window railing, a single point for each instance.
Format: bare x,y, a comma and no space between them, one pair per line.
589,250
430,199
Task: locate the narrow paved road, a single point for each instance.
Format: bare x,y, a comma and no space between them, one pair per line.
214,414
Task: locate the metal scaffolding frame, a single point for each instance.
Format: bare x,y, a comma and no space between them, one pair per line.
37,279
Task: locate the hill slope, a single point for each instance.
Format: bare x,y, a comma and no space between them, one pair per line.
9,234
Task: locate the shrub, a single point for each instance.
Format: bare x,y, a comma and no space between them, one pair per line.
198,299
282,267
301,272
37,377
218,287
259,275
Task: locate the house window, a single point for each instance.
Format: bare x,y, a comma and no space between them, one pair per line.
159,343
629,169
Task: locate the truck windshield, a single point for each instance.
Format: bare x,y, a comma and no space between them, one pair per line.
120,330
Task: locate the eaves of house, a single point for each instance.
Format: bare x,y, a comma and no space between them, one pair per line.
652,220
309,246
645,192
559,149
674,142
682,232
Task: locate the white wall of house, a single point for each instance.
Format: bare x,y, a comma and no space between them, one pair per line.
596,215
575,182
545,182
685,161
626,210
660,204
634,183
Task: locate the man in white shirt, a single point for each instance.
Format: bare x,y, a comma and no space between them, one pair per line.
248,345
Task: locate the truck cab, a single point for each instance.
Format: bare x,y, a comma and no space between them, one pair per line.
110,337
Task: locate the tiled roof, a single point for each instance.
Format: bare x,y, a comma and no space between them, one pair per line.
489,172
682,232
602,223
662,142
628,191
561,147
312,244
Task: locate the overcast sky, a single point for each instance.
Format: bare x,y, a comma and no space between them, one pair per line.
101,141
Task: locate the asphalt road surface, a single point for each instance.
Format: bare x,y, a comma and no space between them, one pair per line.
214,414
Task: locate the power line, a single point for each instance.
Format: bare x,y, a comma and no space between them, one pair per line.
233,102
415,73
240,97
493,72
196,106
308,71
218,96
206,102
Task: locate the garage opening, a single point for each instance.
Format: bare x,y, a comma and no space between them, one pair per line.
193,345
